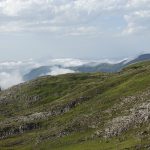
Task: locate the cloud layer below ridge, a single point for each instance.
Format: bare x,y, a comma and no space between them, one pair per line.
12,72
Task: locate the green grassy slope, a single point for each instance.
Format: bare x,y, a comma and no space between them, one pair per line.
91,111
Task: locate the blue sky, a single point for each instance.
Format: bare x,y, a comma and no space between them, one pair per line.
73,28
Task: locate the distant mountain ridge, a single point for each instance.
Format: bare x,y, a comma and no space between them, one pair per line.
88,67
143,57
37,72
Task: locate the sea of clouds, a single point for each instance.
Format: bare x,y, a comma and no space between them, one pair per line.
12,72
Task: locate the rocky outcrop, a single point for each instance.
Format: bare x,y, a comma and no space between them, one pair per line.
139,114
9,131
129,101
29,122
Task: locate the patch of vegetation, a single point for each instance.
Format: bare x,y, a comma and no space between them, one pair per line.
73,111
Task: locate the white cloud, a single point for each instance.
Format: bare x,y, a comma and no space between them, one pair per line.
11,73
18,66
138,3
71,17
138,21
9,79
57,71
67,62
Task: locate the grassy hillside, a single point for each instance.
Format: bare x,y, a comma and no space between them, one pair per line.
91,111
